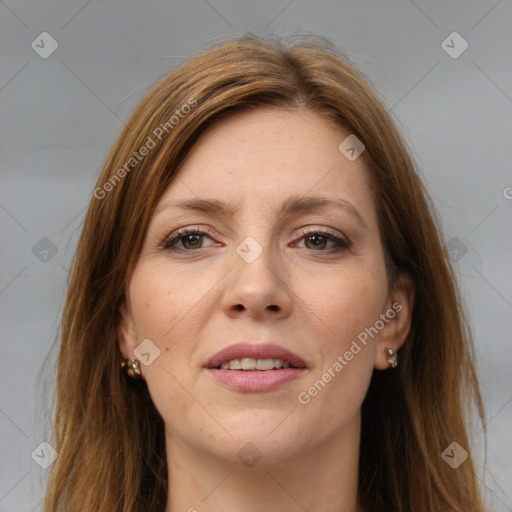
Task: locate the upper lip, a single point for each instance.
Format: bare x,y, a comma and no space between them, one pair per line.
255,351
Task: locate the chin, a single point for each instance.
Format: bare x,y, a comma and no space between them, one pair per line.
262,445
257,452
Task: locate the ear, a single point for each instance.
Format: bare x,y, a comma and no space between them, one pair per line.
126,332
397,316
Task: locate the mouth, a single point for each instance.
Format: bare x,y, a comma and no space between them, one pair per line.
251,357
250,364
251,368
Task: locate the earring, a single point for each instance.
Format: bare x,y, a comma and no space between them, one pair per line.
392,357
131,367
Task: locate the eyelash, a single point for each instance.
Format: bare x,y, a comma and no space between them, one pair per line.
169,242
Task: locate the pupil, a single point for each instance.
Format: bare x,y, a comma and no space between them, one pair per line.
194,238
316,239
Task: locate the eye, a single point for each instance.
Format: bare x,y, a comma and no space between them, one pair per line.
190,239
317,240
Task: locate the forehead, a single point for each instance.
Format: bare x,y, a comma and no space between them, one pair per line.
267,155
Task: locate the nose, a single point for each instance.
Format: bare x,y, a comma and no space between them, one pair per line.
258,289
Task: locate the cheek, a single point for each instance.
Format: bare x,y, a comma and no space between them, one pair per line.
167,309
158,302
342,306
161,298
342,303
334,395
345,360
159,305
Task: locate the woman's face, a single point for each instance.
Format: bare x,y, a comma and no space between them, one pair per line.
268,266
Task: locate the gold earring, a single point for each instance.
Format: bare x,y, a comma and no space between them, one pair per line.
131,367
392,357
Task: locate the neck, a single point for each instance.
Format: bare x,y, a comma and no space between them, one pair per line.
319,478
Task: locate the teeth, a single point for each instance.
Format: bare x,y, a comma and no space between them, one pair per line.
235,364
248,363
264,364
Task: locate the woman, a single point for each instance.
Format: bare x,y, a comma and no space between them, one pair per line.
261,313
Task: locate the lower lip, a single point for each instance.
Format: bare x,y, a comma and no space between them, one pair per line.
253,381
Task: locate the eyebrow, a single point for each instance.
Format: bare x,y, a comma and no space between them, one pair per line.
292,205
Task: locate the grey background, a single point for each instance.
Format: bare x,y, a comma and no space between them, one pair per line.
60,115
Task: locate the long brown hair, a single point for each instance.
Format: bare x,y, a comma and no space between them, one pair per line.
108,434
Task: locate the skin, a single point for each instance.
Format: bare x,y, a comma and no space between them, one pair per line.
305,296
